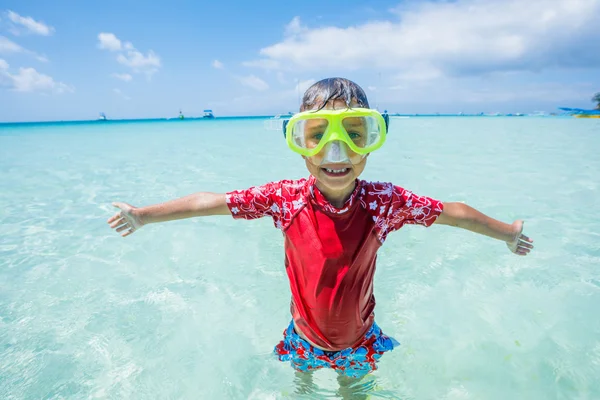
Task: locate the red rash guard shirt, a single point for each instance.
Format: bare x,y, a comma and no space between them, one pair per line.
330,252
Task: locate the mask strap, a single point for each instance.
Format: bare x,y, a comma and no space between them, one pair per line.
285,123
386,118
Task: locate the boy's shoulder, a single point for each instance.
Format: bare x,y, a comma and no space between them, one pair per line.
386,194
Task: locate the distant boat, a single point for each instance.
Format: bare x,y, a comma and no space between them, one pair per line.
581,113
208,114
102,117
587,115
181,115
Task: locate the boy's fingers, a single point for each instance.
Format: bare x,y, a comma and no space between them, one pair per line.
122,228
111,219
127,233
118,222
523,237
526,245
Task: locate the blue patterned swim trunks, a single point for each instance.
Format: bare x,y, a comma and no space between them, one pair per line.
355,361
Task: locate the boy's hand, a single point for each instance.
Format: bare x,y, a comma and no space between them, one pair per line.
521,244
125,221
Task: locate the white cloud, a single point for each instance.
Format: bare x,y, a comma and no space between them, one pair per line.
428,40
503,92
123,77
119,93
272,101
31,25
217,64
108,41
5,79
294,27
253,82
129,55
7,46
29,80
139,62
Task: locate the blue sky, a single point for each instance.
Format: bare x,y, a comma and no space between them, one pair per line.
65,60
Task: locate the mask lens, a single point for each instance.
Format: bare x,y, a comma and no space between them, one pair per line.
363,131
308,133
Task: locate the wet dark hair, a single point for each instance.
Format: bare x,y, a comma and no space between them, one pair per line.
331,89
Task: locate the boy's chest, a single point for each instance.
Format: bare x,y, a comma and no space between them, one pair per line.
315,234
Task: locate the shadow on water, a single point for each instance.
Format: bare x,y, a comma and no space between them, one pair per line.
369,387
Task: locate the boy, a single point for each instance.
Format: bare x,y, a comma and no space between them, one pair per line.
333,224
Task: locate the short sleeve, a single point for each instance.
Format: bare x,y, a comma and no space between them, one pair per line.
256,202
391,207
408,208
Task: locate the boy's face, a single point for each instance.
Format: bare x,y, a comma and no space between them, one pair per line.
336,176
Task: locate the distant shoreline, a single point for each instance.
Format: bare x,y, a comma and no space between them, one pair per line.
177,120
124,121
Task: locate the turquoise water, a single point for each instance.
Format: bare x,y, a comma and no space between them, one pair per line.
192,309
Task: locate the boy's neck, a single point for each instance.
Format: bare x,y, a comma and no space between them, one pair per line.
337,197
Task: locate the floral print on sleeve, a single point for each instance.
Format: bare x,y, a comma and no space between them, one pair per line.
392,206
255,202
280,200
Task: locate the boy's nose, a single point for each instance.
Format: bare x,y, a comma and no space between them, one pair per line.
335,152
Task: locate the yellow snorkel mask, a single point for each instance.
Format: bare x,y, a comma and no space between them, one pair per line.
363,130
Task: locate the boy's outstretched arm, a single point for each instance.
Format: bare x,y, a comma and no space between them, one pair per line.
130,218
466,217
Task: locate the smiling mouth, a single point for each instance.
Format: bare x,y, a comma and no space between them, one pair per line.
336,172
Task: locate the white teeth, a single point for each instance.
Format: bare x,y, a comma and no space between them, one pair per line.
335,171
